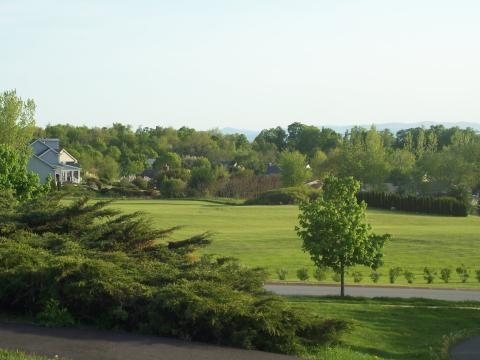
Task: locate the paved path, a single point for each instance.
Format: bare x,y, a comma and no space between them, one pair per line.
83,344
376,291
467,350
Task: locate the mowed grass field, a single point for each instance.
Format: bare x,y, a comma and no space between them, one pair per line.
264,236
382,328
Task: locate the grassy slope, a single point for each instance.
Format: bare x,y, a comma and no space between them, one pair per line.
384,328
264,236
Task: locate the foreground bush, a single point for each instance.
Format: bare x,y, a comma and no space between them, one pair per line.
285,196
86,263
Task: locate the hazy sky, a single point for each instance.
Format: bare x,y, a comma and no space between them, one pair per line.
243,63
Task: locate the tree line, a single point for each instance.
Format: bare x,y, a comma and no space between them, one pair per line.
436,160
186,162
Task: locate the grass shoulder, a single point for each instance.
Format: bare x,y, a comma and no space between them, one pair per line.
18,355
383,327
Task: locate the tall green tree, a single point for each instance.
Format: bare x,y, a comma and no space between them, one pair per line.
294,169
17,120
334,229
14,178
318,163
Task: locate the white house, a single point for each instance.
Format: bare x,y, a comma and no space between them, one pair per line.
49,159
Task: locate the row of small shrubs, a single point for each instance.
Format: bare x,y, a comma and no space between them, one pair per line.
420,204
285,196
429,274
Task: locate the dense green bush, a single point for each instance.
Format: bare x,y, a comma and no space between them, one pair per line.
463,273
173,188
282,273
336,277
445,274
86,263
375,276
424,204
409,276
320,273
429,274
284,196
394,273
54,315
302,274
357,276
118,191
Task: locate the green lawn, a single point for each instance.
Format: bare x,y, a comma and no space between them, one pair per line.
17,355
392,329
264,236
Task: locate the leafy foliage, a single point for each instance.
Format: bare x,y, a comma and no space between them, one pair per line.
429,274
411,203
14,177
375,276
409,276
302,274
17,122
294,168
282,273
445,274
320,273
394,273
285,196
334,230
357,276
463,273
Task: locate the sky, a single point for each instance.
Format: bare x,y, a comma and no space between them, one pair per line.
248,64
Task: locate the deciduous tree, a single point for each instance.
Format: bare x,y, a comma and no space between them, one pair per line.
334,230
17,122
294,169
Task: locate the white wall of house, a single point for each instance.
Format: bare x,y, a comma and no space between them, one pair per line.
64,157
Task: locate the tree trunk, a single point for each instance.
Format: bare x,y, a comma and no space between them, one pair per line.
342,279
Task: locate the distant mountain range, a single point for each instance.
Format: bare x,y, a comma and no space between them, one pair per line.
393,127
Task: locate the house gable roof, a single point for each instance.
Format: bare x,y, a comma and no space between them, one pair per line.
45,149
39,141
35,157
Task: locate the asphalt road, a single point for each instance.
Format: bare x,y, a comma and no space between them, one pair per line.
467,350
372,291
87,344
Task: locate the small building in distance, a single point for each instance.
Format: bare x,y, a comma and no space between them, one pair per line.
49,159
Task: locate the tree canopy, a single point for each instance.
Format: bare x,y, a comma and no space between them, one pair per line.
294,170
17,120
334,229
411,160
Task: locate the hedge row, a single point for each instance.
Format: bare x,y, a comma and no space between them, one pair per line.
420,204
284,196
